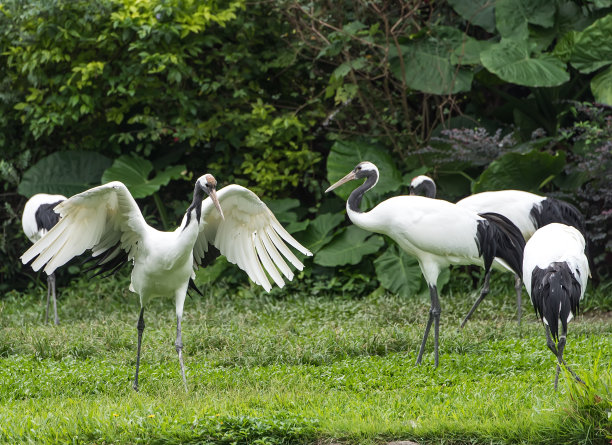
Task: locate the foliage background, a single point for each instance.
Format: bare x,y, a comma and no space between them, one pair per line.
285,96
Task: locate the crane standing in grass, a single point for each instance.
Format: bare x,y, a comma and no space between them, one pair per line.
107,220
555,272
438,233
37,219
526,210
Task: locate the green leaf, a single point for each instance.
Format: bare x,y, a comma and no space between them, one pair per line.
510,60
430,63
601,86
320,231
477,12
346,67
398,272
513,16
348,248
65,173
134,171
521,171
345,155
468,52
589,49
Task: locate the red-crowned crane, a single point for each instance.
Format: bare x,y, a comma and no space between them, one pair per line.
526,210
555,272
438,233
37,219
107,220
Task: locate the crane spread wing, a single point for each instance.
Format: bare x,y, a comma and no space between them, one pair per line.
250,236
105,219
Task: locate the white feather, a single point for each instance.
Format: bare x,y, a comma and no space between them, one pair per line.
250,236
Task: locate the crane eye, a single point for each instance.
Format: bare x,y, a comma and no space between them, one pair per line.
358,167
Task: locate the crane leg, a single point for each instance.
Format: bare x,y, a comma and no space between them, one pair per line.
140,327
518,286
483,293
558,351
179,349
51,281
434,316
48,298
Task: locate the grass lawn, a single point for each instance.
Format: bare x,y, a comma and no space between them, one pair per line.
289,367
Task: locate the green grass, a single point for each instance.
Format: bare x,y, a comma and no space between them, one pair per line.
293,368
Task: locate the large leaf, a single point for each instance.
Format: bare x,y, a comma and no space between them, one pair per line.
511,61
345,155
398,272
513,16
522,171
65,173
590,49
349,247
134,172
477,12
430,64
601,86
320,231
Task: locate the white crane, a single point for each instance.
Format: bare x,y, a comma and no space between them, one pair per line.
438,233
555,272
107,220
527,211
37,219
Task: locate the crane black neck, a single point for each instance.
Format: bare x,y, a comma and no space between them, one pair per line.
198,197
355,198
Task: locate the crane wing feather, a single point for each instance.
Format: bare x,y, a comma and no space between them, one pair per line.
250,236
96,219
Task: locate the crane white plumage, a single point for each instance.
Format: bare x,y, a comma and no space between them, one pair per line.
555,273
438,233
37,219
107,220
527,211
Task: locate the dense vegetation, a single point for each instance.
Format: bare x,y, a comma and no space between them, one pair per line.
284,96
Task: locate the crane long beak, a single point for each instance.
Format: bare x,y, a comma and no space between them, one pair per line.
344,180
213,196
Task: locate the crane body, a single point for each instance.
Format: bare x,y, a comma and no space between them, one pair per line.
37,219
555,273
438,233
107,220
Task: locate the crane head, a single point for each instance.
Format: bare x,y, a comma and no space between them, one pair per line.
423,186
362,170
208,184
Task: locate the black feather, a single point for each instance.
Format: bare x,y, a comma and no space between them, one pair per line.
45,217
497,236
552,210
193,286
555,292
106,264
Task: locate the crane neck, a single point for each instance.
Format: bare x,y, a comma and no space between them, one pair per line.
354,200
196,204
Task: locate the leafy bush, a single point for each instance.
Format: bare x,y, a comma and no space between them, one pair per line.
263,94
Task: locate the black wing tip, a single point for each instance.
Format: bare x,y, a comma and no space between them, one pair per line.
194,287
500,237
555,293
105,267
